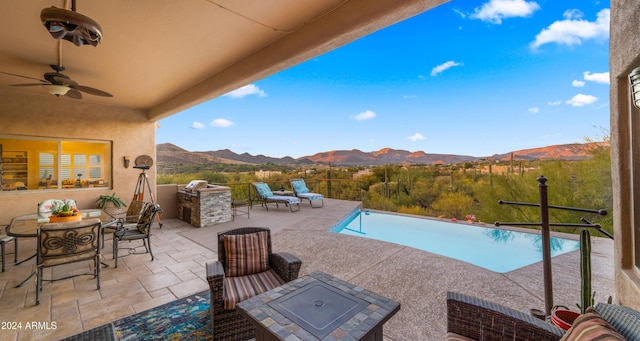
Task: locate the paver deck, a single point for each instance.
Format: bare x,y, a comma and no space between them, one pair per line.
418,280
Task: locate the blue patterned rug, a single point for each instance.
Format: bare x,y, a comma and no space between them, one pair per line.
184,319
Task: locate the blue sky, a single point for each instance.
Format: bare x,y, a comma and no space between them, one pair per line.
468,77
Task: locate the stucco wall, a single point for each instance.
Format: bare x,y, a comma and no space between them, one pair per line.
43,115
625,147
167,198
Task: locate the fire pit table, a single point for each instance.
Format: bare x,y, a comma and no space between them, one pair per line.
318,306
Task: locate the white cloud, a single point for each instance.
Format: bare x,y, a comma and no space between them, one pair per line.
573,29
460,13
246,90
197,125
221,123
416,137
577,83
534,110
558,102
581,100
365,115
444,66
496,10
598,77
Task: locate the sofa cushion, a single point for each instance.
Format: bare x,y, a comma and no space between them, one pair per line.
624,319
591,326
238,289
246,254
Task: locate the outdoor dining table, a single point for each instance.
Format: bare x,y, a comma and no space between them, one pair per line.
26,226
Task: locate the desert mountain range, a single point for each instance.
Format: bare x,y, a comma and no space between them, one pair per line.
168,153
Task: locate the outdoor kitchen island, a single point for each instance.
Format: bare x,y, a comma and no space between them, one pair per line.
201,204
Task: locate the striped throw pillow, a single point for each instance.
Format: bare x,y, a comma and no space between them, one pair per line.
591,326
246,254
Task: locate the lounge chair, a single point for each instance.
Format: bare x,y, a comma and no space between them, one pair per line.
301,191
266,196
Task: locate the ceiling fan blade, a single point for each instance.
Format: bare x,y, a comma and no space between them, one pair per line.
32,84
21,76
92,91
75,94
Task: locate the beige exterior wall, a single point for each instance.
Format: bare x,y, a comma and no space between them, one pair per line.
625,148
168,200
130,132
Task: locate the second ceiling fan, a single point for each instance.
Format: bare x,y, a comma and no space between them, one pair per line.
60,84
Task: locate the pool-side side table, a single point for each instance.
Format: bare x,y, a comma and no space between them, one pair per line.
318,306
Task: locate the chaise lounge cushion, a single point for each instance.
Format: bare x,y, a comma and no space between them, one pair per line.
591,326
311,196
263,190
299,187
237,289
246,254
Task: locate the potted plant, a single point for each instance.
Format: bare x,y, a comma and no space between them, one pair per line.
111,204
562,317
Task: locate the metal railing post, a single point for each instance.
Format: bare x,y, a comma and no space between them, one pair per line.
546,245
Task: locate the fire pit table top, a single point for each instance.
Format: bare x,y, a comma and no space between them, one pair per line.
318,306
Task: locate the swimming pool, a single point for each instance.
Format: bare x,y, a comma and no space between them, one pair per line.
494,249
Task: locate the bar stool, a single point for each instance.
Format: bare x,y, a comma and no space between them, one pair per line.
4,239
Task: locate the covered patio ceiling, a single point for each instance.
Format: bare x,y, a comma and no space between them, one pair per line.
164,56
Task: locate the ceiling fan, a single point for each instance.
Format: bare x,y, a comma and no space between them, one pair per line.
59,84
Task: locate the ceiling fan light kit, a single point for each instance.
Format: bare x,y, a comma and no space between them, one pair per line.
71,25
57,90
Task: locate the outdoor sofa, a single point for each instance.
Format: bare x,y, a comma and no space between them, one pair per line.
470,318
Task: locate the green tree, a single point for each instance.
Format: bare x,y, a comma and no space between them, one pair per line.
453,204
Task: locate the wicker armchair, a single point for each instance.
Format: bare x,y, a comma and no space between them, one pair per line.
483,320
227,324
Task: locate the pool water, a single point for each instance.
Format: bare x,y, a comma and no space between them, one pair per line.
494,249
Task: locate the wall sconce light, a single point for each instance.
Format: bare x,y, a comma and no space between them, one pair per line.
127,160
634,82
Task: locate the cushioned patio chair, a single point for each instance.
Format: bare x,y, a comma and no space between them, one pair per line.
134,212
138,231
69,242
245,267
301,191
266,196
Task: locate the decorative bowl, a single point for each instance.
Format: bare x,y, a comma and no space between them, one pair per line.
65,213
